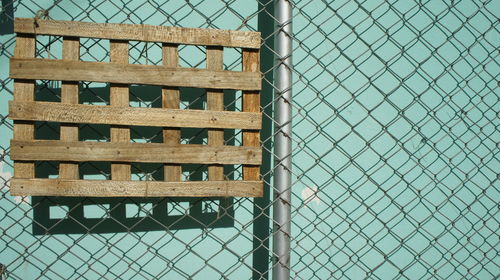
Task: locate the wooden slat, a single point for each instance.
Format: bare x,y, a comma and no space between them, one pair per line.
215,102
112,188
133,152
65,70
137,32
24,90
119,97
171,99
24,68
99,114
69,95
251,103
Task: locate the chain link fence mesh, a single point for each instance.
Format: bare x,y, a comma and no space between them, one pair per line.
395,157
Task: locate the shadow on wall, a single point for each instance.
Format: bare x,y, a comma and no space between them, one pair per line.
7,17
65,215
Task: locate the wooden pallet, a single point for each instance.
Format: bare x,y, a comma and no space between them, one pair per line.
24,110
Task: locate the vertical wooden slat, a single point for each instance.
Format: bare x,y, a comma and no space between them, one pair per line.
215,102
119,96
171,99
24,90
251,103
69,94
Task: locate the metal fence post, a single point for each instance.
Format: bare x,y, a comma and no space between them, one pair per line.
282,140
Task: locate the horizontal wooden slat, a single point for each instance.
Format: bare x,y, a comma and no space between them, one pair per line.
97,114
67,70
139,32
51,150
110,188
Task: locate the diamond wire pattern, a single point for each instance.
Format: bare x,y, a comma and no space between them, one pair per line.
395,117
396,106
166,253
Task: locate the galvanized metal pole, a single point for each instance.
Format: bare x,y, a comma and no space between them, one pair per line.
282,140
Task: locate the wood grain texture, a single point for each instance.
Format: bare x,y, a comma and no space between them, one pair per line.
133,152
119,97
24,68
251,103
24,90
126,188
69,95
112,72
215,102
112,188
138,32
171,99
99,114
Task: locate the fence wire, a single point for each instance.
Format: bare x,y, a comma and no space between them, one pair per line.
394,156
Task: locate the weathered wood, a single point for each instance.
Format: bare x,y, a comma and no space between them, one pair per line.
69,95
99,114
215,102
251,103
24,90
112,188
24,68
171,99
119,97
66,70
138,32
133,152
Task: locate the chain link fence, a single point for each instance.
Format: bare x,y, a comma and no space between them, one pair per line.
394,149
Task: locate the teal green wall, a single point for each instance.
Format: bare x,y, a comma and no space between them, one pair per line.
150,252
435,195
430,208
